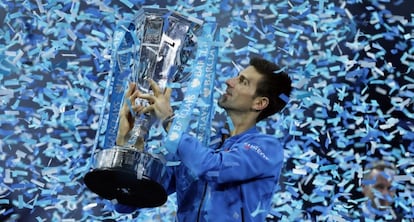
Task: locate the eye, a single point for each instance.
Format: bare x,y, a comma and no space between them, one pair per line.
380,187
243,81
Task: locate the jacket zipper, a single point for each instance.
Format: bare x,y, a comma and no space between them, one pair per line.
202,202
242,201
242,214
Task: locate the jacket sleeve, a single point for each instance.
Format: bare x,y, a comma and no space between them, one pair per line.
262,156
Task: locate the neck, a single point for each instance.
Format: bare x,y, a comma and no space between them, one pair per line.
241,122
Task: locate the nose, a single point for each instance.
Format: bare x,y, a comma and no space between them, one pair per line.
230,82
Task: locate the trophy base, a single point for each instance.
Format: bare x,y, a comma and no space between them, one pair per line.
125,188
130,176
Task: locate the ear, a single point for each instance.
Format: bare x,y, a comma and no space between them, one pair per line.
260,103
366,191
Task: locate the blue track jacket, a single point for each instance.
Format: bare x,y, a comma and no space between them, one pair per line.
234,182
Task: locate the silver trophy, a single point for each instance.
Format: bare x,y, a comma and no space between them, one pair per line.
156,45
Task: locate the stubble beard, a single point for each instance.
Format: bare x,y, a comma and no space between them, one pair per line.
220,101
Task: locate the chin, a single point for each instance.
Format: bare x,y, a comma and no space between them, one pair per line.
220,105
221,102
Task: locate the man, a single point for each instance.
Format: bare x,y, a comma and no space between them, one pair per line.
236,180
377,187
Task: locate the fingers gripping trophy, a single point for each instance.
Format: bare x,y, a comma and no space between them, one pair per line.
151,52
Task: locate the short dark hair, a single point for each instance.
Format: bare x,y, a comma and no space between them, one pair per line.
274,84
382,166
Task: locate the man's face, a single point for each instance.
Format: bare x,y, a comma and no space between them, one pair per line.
241,90
379,192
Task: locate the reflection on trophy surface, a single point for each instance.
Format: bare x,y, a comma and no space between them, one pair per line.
156,45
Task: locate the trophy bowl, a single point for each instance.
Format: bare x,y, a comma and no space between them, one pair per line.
156,45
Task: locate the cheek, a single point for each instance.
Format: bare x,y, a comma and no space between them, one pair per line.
366,191
247,93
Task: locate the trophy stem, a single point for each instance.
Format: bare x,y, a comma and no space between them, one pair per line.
140,144
139,132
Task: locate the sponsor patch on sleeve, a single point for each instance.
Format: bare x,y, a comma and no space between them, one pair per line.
257,149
